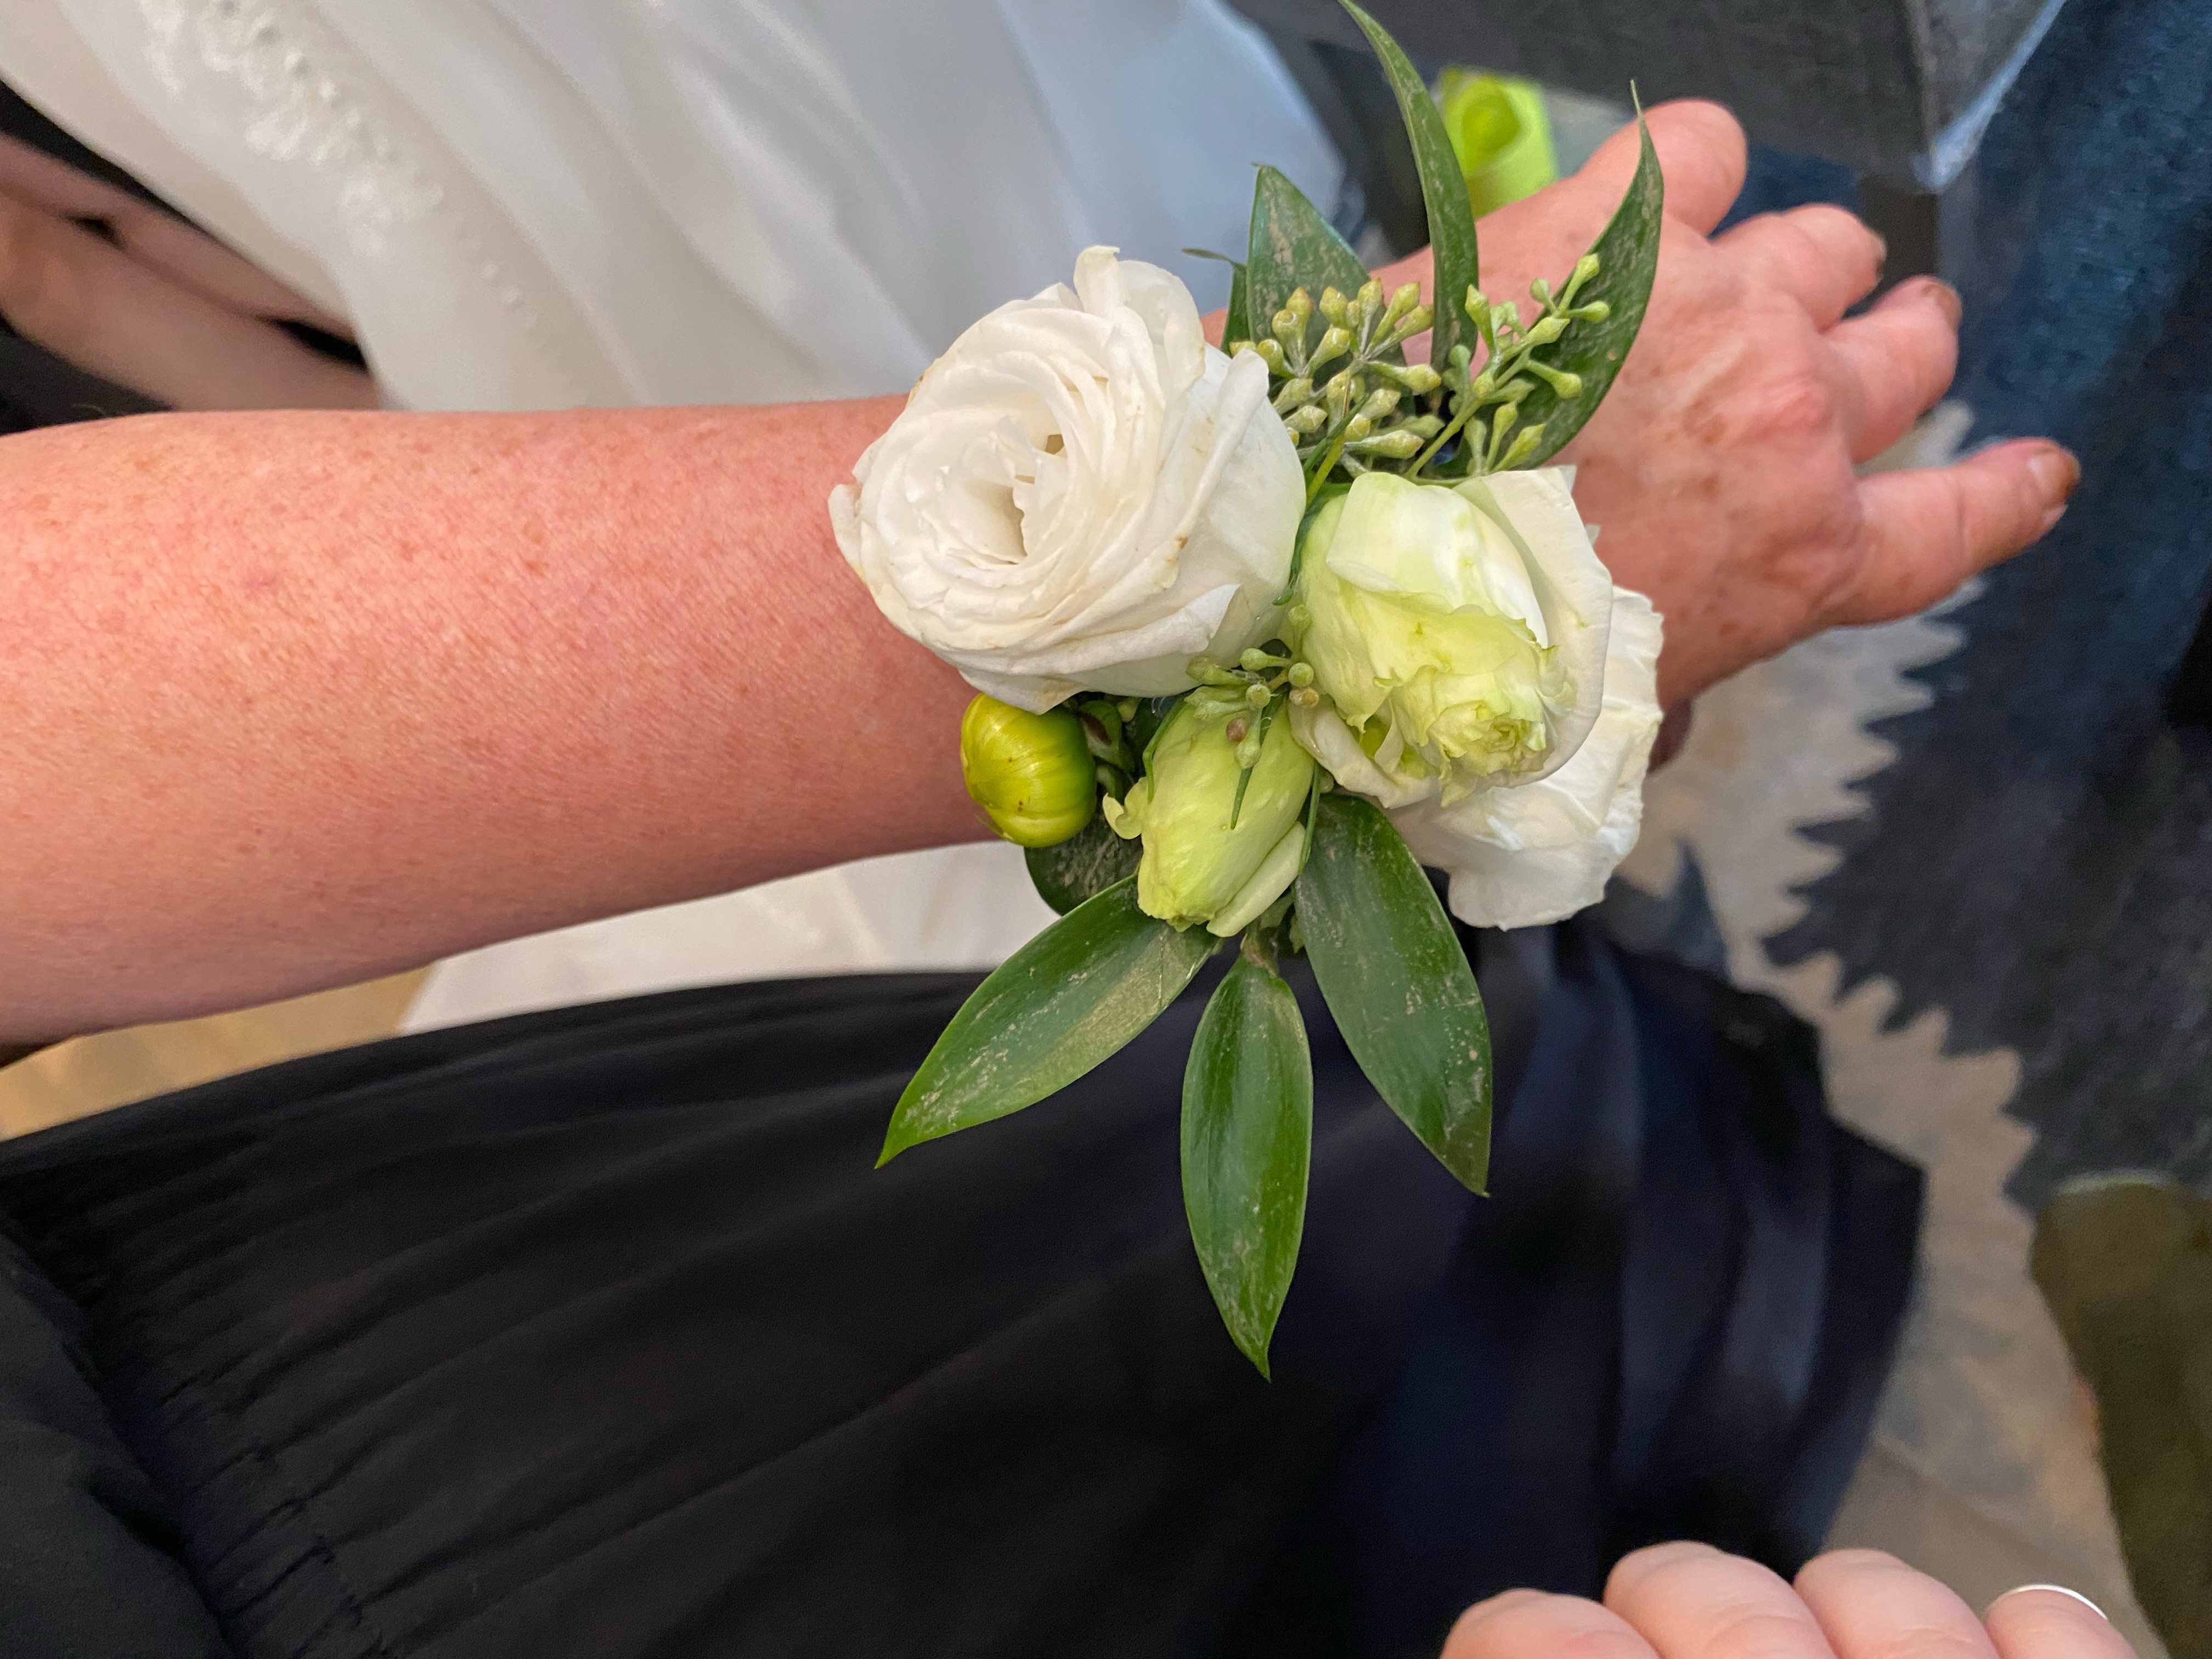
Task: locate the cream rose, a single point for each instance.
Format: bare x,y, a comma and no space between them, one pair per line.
1081,494
1539,852
1484,681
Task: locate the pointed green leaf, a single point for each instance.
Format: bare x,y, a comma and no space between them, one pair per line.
1398,983
1294,246
1085,865
1067,999
1247,1138
1444,192
1234,323
1628,254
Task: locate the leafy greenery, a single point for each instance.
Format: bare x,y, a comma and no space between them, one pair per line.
1070,998
1247,1140
1397,981
1068,872
1443,190
1594,348
1235,325
1294,247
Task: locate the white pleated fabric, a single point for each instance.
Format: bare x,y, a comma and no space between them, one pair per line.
537,204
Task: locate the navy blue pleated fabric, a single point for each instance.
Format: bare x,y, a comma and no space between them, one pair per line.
595,1332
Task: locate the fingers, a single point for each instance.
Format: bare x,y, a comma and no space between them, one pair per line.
89,302
1691,1602
1872,1604
152,237
1894,362
1823,257
2042,1621
1928,530
1523,1622
1701,155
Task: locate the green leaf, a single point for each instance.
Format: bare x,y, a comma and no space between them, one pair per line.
1067,999
1294,246
1247,1138
1398,983
1443,190
1234,323
1628,254
1085,865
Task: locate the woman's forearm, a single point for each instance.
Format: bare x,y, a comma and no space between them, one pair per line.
294,699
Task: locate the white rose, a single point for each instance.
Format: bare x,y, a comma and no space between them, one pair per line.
1484,683
1080,495
1539,852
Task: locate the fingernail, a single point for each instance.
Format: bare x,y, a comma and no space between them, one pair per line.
2049,520
1944,296
2055,471
2023,1589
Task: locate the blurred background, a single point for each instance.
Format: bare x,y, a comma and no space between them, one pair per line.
1974,848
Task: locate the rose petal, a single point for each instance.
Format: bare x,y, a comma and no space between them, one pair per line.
1538,851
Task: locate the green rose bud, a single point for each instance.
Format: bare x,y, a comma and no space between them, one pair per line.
1032,775
1428,634
1195,867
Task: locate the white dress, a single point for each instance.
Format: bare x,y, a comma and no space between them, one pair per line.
533,203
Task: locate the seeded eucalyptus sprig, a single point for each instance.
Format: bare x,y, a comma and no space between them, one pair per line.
1354,415
1511,370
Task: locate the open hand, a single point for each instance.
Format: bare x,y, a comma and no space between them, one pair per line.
1690,1600
1720,468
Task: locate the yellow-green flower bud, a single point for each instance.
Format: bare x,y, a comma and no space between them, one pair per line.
1334,307
1032,775
1195,867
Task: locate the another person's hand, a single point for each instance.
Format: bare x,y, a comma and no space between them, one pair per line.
154,305
1691,1602
1721,467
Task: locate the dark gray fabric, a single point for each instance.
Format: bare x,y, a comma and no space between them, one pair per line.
90,1562
594,1332
1867,83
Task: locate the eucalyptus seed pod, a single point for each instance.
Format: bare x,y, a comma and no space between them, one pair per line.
1334,344
1032,775
1417,377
